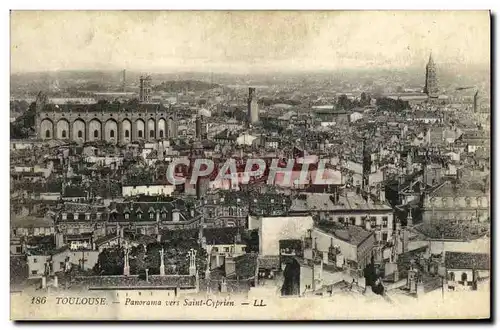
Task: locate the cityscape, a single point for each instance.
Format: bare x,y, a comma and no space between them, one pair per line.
370,182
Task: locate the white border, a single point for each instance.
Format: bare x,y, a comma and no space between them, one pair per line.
218,5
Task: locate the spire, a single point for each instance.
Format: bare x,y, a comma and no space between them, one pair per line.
431,61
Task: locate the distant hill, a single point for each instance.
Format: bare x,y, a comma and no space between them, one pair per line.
182,85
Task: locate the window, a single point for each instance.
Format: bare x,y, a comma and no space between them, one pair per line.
164,215
34,272
384,237
96,133
127,216
451,276
139,215
385,221
373,221
61,265
35,260
47,133
87,216
226,249
152,133
139,134
215,249
341,219
464,277
64,216
243,249
18,249
63,133
127,133
352,220
112,133
161,134
80,134
151,215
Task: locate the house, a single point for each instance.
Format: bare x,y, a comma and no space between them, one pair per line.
62,259
353,244
221,244
32,226
151,190
457,202
348,208
272,230
464,270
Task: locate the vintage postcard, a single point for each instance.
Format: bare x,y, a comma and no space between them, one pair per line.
250,165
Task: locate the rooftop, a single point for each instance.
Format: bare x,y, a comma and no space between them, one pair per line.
350,234
325,202
467,260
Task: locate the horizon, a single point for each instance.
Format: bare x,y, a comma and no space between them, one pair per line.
243,42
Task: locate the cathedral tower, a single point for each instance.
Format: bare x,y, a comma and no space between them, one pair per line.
431,82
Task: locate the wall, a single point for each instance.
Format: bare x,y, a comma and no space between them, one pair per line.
274,229
36,263
325,240
166,190
481,245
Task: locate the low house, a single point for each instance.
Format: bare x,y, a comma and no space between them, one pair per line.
221,244
353,244
60,260
464,270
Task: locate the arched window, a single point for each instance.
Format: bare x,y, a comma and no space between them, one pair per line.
63,134
451,276
96,133
112,133
80,134
161,134
47,133
151,134
139,134
127,133
464,277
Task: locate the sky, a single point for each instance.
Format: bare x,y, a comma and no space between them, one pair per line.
245,41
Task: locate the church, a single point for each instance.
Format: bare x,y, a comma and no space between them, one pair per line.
117,123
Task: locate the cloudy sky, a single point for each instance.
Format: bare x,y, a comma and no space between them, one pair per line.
246,40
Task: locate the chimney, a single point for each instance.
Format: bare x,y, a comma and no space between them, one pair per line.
147,275
229,266
382,194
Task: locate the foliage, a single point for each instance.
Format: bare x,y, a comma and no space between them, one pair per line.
24,125
110,262
389,104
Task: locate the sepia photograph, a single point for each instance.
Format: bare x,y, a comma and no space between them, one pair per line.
250,165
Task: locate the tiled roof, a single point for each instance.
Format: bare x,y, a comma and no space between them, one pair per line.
324,202
351,234
466,260
131,282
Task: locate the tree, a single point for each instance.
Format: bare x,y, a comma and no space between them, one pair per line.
364,100
110,262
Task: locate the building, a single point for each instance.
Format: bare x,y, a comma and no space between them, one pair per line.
457,202
145,89
253,107
431,80
222,244
351,209
351,243
112,122
464,271
274,230
150,190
